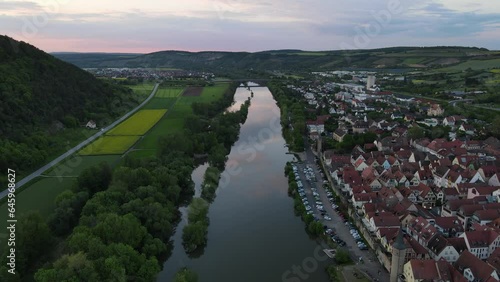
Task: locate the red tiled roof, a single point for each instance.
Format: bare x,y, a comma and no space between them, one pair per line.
447,222
478,239
424,269
494,259
481,270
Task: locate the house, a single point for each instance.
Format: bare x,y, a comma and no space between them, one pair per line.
421,230
449,121
317,125
387,221
449,226
339,134
429,270
91,124
468,129
474,269
435,110
440,248
494,180
482,243
360,127
487,172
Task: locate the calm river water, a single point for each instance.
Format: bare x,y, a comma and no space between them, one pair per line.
253,234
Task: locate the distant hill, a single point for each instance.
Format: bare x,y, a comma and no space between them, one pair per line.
291,60
40,95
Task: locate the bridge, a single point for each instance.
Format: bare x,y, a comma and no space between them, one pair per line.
260,81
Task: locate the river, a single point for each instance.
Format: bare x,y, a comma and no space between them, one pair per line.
254,234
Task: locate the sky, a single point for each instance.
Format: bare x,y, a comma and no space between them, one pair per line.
239,25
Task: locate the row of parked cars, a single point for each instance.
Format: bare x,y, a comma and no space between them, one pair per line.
302,192
356,236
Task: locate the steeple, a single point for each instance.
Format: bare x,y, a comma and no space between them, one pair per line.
398,256
399,243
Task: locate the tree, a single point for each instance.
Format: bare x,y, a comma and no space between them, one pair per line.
95,178
342,257
186,275
198,210
495,127
315,228
73,267
131,231
416,132
194,235
33,240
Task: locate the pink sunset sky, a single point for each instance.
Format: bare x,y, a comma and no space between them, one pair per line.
240,25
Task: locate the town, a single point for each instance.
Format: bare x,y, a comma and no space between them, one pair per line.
421,185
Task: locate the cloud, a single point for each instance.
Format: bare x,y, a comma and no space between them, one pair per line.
6,6
250,25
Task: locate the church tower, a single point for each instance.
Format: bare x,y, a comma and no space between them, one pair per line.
398,257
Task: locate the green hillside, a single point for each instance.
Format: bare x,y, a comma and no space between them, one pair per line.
43,103
296,60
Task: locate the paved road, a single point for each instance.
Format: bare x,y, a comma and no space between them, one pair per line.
370,265
89,140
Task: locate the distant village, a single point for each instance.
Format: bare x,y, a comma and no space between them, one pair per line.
443,193
147,73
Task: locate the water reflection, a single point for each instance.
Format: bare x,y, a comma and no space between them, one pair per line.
253,233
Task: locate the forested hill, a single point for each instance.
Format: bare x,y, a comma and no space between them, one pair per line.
290,60
41,95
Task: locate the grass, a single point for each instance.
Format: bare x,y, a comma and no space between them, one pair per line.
169,92
139,154
39,196
173,121
110,145
309,53
143,89
413,61
474,64
159,103
75,164
139,123
163,127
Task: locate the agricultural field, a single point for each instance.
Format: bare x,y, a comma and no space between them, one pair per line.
159,103
165,126
473,64
142,89
109,145
173,121
75,164
40,196
139,154
139,123
168,92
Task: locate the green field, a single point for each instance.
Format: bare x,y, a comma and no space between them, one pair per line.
75,164
413,61
159,103
163,127
139,123
474,64
173,121
169,92
143,89
309,54
139,154
40,196
110,145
